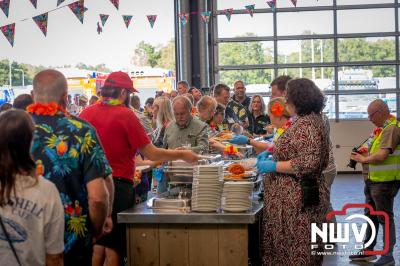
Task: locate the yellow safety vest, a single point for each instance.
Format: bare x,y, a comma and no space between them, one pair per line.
389,169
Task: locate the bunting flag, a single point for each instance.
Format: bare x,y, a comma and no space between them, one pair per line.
228,13
99,28
115,3
59,2
294,2
8,31
34,3
250,9
41,21
5,6
127,20
78,8
103,18
152,20
184,17
205,16
272,4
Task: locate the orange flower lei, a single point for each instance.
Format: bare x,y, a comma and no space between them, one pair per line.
49,109
277,109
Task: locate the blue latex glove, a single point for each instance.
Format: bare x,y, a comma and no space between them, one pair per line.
267,166
263,156
240,140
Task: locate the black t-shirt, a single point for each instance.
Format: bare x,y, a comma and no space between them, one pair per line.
258,123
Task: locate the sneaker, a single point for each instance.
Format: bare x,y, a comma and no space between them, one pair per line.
362,257
385,261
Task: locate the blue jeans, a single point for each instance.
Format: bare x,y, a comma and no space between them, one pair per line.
381,197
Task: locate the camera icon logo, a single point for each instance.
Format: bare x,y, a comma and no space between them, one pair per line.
340,232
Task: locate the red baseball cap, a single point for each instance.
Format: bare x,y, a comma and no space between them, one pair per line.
119,80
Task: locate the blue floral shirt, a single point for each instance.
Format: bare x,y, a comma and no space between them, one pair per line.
68,153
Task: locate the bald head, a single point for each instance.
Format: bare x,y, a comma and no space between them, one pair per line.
379,104
50,86
378,112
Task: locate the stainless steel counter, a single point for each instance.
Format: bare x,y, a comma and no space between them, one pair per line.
142,214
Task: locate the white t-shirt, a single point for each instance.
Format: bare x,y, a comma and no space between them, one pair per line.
34,220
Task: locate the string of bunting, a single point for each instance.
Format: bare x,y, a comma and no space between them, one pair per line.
78,8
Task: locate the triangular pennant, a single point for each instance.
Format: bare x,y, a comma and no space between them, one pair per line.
115,3
78,8
5,6
103,18
127,20
184,17
205,16
250,9
34,3
41,21
228,13
152,20
272,4
8,31
294,2
59,2
99,28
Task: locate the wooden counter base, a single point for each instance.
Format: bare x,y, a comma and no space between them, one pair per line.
183,244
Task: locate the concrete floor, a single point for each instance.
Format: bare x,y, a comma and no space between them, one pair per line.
350,189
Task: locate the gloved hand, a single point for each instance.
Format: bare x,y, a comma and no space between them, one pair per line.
262,156
266,166
240,140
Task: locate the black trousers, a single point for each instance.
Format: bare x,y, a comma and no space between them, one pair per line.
124,198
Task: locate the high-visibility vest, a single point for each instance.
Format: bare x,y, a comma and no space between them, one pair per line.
389,169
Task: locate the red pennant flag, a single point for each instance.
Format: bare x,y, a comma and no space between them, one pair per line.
59,2
9,32
41,21
151,19
34,3
115,3
78,8
127,19
184,17
99,28
294,2
5,6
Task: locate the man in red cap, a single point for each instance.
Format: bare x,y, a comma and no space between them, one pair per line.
122,135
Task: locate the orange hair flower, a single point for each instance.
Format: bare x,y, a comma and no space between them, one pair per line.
277,109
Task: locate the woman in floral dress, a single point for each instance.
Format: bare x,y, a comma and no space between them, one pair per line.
301,152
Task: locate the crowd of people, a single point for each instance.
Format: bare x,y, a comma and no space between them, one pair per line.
67,169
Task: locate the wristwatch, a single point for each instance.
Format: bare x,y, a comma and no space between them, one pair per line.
248,141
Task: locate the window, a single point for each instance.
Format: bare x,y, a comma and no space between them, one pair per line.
365,67
312,51
246,53
367,49
242,25
262,77
355,106
305,23
366,20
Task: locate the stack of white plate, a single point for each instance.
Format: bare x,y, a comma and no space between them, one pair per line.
207,188
237,196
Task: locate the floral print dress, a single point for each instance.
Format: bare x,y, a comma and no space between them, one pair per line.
287,229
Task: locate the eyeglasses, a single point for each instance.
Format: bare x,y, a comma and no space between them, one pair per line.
371,115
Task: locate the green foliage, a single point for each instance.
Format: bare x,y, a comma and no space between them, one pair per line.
145,54
248,53
99,67
16,73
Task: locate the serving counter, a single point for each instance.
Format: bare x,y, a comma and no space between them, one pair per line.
192,238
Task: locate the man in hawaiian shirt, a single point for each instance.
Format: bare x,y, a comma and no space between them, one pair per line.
68,153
